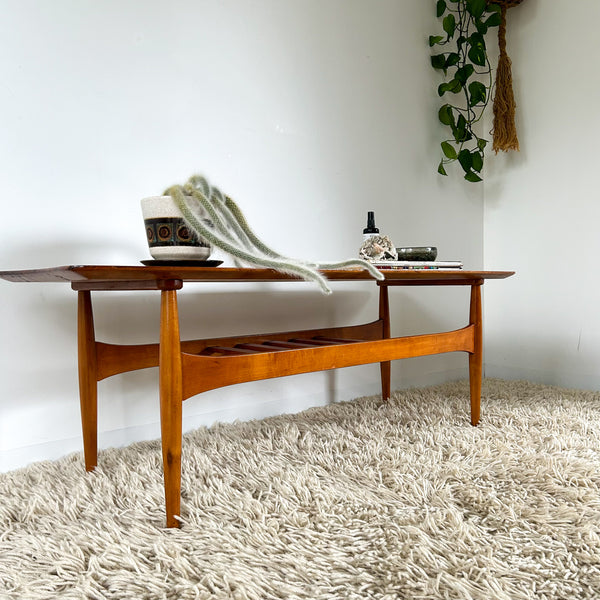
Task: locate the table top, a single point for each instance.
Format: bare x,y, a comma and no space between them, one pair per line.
148,277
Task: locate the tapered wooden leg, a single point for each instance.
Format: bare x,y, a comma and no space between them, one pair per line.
386,367
476,357
88,378
170,402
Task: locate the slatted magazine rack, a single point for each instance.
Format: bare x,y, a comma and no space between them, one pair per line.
188,368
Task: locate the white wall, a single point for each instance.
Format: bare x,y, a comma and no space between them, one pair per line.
542,205
308,113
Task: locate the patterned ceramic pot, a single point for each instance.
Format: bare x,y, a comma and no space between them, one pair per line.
169,238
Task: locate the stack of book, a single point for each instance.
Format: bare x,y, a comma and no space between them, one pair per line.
418,264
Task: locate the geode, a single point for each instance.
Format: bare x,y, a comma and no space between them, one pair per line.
378,247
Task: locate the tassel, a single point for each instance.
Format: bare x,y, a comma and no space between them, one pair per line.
505,130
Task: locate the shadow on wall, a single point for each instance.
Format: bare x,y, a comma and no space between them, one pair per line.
215,310
56,252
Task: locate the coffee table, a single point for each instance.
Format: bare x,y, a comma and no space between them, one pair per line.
187,368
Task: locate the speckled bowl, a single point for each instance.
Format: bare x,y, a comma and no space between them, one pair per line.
169,237
417,253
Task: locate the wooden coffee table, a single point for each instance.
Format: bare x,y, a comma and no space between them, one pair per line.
188,368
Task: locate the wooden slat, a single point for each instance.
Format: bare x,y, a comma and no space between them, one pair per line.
368,331
336,340
286,344
313,342
260,347
227,350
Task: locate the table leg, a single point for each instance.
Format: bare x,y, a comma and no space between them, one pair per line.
171,394
386,367
88,378
476,357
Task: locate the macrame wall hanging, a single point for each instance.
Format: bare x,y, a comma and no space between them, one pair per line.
505,131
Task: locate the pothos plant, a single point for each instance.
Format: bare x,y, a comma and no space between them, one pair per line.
468,84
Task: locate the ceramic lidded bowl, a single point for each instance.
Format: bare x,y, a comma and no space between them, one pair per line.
169,237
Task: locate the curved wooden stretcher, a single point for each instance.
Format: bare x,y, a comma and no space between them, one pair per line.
188,368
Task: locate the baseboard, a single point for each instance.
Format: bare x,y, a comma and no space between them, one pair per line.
563,378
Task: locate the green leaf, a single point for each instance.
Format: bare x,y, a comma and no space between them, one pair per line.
476,39
441,169
453,86
449,151
476,7
449,24
477,51
472,177
481,144
464,73
435,39
438,61
493,20
477,55
477,93
440,8
452,59
476,161
445,115
465,160
460,131
481,26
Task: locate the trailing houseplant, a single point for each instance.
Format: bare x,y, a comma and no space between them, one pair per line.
468,79
217,219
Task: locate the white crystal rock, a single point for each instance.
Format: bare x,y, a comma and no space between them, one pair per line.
378,247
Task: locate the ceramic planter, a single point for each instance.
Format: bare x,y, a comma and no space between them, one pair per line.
169,237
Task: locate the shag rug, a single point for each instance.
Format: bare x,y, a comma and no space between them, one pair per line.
363,499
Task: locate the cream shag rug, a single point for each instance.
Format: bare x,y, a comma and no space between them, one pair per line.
356,500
